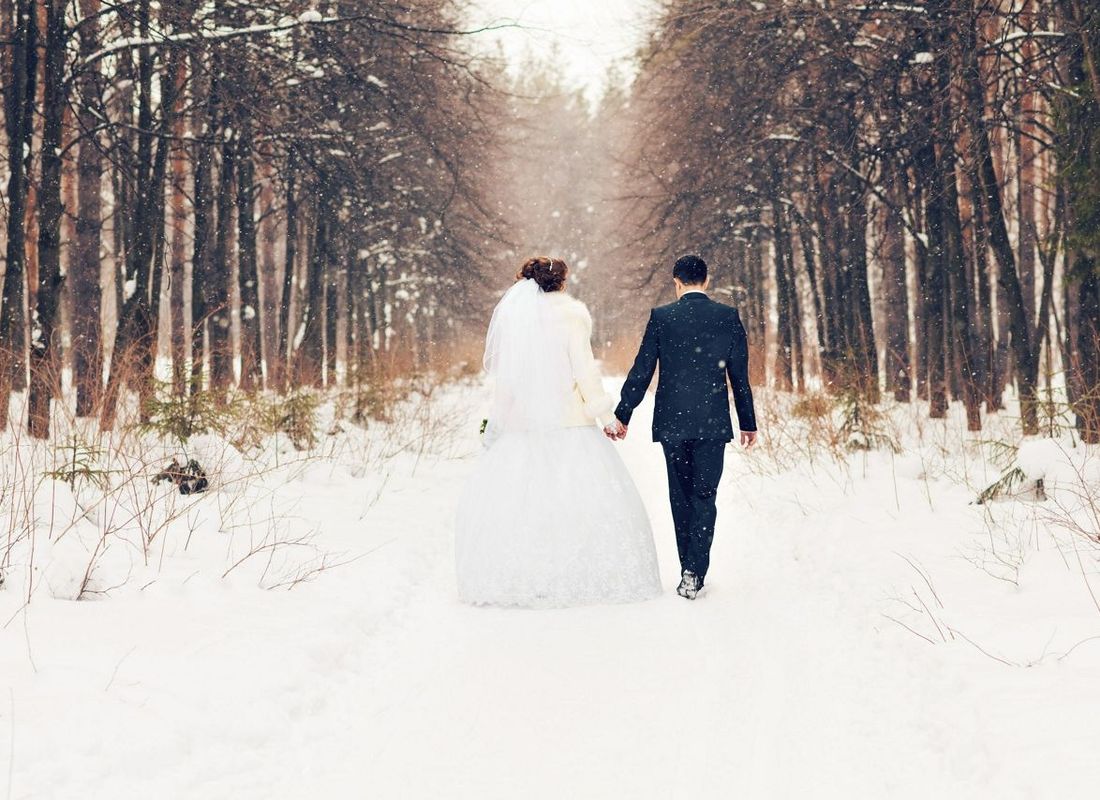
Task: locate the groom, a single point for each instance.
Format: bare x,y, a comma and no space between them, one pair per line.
697,342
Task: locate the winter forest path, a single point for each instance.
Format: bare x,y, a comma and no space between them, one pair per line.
784,680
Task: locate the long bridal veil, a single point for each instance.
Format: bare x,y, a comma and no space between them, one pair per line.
550,516
526,357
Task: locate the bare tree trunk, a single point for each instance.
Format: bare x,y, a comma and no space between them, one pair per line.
201,272
177,277
1025,209
84,275
863,335
831,291
783,363
374,330
309,357
896,297
1025,356
134,351
219,276
960,327
992,387
269,273
352,332
248,276
809,258
796,310
45,380
331,311
917,209
757,318
19,99
934,286
170,82
290,263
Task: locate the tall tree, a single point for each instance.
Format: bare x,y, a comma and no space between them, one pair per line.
45,376
19,101
84,271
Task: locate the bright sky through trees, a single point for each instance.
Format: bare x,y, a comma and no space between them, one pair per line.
586,36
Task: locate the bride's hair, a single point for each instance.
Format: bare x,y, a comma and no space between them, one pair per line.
548,273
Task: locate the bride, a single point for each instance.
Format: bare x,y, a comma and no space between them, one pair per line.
550,517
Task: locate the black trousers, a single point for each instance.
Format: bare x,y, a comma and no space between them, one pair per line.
694,470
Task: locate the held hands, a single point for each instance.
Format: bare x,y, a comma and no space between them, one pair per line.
616,431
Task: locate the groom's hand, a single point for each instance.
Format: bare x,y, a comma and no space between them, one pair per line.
615,431
748,438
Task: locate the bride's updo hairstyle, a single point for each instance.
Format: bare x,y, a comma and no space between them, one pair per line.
548,273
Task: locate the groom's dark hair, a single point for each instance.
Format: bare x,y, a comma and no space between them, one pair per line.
690,270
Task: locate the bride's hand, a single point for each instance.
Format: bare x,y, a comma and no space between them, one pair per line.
616,431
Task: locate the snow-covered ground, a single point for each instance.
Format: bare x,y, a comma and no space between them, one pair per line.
866,633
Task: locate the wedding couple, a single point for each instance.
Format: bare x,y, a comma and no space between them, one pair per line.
551,516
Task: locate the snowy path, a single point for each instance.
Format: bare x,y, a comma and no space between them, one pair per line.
785,680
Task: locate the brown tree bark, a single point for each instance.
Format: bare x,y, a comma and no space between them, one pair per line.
203,204
784,380
954,256
934,285
309,356
1025,355
177,259
332,308
862,332
45,375
896,299
248,277
134,350
756,321
219,276
809,258
290,264
19,100
84,275
269,271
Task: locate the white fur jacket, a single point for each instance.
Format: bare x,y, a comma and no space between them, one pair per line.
591,402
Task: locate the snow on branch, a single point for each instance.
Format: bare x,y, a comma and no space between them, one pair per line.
1017,36
218,34
904,8
305,19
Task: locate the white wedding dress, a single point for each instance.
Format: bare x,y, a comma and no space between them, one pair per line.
550,516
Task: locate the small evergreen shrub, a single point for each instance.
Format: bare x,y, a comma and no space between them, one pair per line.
181,417
863,425
296,416
79,461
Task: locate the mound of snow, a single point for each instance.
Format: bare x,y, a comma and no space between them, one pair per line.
1040,459
311,15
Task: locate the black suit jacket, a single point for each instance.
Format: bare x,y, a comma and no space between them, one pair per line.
697,343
